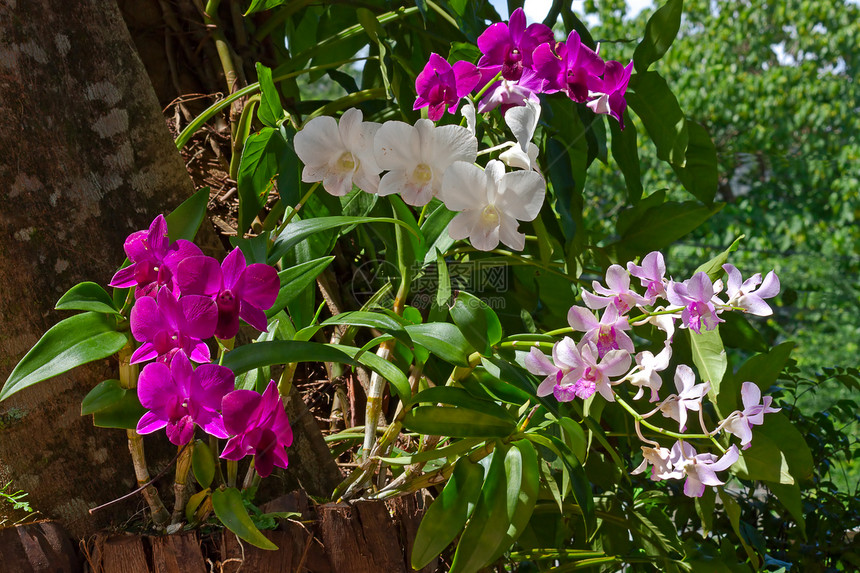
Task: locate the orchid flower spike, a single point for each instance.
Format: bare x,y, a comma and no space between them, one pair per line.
339,154
416,157
491,202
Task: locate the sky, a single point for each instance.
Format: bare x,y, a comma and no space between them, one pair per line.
536,9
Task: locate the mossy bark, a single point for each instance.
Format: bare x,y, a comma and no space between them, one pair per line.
85,158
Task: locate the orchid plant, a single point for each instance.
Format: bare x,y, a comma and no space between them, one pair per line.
525,436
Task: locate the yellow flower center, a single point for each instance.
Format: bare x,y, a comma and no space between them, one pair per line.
347,162
422,174
490,216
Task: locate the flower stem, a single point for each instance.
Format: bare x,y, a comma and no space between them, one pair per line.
641,419
128,374
180,489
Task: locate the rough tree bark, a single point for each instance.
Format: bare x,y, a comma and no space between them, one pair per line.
85,158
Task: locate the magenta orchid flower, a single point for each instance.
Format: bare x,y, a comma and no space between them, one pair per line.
570,67
746,295
700,469
506,94
441,86
508,47
610,91
696,296
607,333
153,259
595,376
240,290
689,396
561,372
740,423
618,292
166,325
651,275
179,397
259,426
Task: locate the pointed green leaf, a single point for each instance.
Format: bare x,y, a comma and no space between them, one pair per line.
123,414
660,32
489,522
193,503
295,279
763,461
103,395
714,267
260,162
70,343
376,320
232,513
87,296
460,397
271,111
523,484
442,339
184,221
447,515
625,151
478,322
709,356
457,422
202,464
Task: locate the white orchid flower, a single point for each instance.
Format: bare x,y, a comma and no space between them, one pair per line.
468,112
491,202
416,157
523,121
339,154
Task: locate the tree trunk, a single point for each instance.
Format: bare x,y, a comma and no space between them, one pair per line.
86,159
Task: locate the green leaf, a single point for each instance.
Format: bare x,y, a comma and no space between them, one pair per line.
123,414
764,369
448,513
658,108
699,172
450,451
103,395
522,471
661,226
232,513
790,442
733,510
295,279
376,320
87,296
660,32
298,231
194,502
460,397
443,290
457,422
260,165
626,153
202,464
442,339
574,437
184,221
261,354
714,267
271,111
478,322
763,461
70,343
489,522
260,5
710,359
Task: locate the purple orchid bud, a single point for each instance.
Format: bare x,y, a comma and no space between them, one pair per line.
696,296
441,86
700,469
166,325
689,396
259,427
240,290
570,67
618,292
747,296
154,259
610,91
179,397
508,47
607,333
651,275
740,423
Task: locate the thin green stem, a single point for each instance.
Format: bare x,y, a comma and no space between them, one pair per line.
296,209
483,90
663,432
